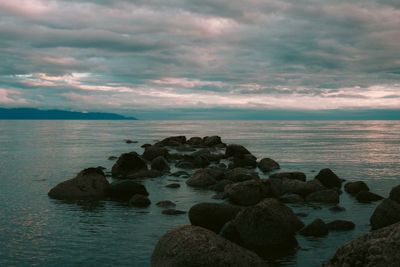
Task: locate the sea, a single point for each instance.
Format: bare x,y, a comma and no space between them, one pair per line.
36,155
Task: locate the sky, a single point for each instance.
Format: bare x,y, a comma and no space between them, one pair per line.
195,59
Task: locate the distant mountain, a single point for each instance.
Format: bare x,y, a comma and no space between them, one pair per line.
37,114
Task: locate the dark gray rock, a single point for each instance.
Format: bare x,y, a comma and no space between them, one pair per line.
204,178
185,148
230,232
212,216
301,176
235,151
386,213
153,152
395,194
316,228
195,142
125,189
212,140
291,186
185,165
89,183
127,164
160,164
353,188
241,174
328,178
172,141
193,246
139,201
165,204
220,185
246,161
112,158
337,209
291,198
145,174
367,197
267,165
250,192
324,196
173,212
340,225
173,185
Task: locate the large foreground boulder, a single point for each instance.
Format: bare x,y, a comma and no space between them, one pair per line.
193,246
126,189
380,248
395,194
269,225
328,178
386,213
128,164
249,192
212,216
89,183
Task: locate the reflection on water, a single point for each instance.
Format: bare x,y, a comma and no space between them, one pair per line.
36,155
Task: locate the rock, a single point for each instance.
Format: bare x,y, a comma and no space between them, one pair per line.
353,188
291,198
230,232
145,174
128,141
112,158
173,212
172,141
125,189
267,165
220,185
337,209
195,142
235,151
340,225
328,178
249,192
367,197
301,176
379,248
240,175
301,214
87,184
212,140
395,194
386,213
193,246
180,173
324,196
317,228
220,195
165,204
139,201
291,186
173,185
160,164
212,216
244,161
184,165
175,156
201,178
128,164
269,225
153,152
185,148
145,145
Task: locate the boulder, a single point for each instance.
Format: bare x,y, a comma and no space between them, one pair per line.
180,174
145,174
195,142
395,194
193,246
340,225
353,188
379,248
220,185
241,174
367,197
89,183
184,165
301,176
250,192
160,164
291,186
173,212
172,141
212,140
386,213
152,152
212,216
328,178
204,178
267,165
230,232
127,164
316,228
126,189
269,225
291,198
165,204
139,201
247,161
235,151
185,148
324,196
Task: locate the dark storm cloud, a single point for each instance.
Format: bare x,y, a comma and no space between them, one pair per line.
126,55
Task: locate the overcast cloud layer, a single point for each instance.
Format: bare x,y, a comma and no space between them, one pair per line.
125,56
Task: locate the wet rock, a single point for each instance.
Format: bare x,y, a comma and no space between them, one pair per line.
112,158
145,145
139,201
337,209
230,232
179,173
195,142
128,141
267,165
195,246
328,178
184,165
367,197
152,152
222,166
241,174
246,161
379,248
324,196
340,225
220,185
268,225
175,156
173,212
185,148
249,192
160,164
172,141
353,188
235,151
165,204
301,214
204,178
395,194
317,228
173,185
126,189
291,186
386,213
89,183
301,176
127,164
145,174
212,140
291,198
212,216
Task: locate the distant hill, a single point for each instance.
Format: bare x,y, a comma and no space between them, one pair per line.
37,114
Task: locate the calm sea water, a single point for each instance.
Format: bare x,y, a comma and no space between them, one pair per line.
36,155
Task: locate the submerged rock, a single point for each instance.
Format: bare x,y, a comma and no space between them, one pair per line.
139,201
249,192
337,209
380,248
125,189
195,246
267,165
127,164
89,183
353,188
367,197
328,178
165,204
173,185
386,213
212,216
316,228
